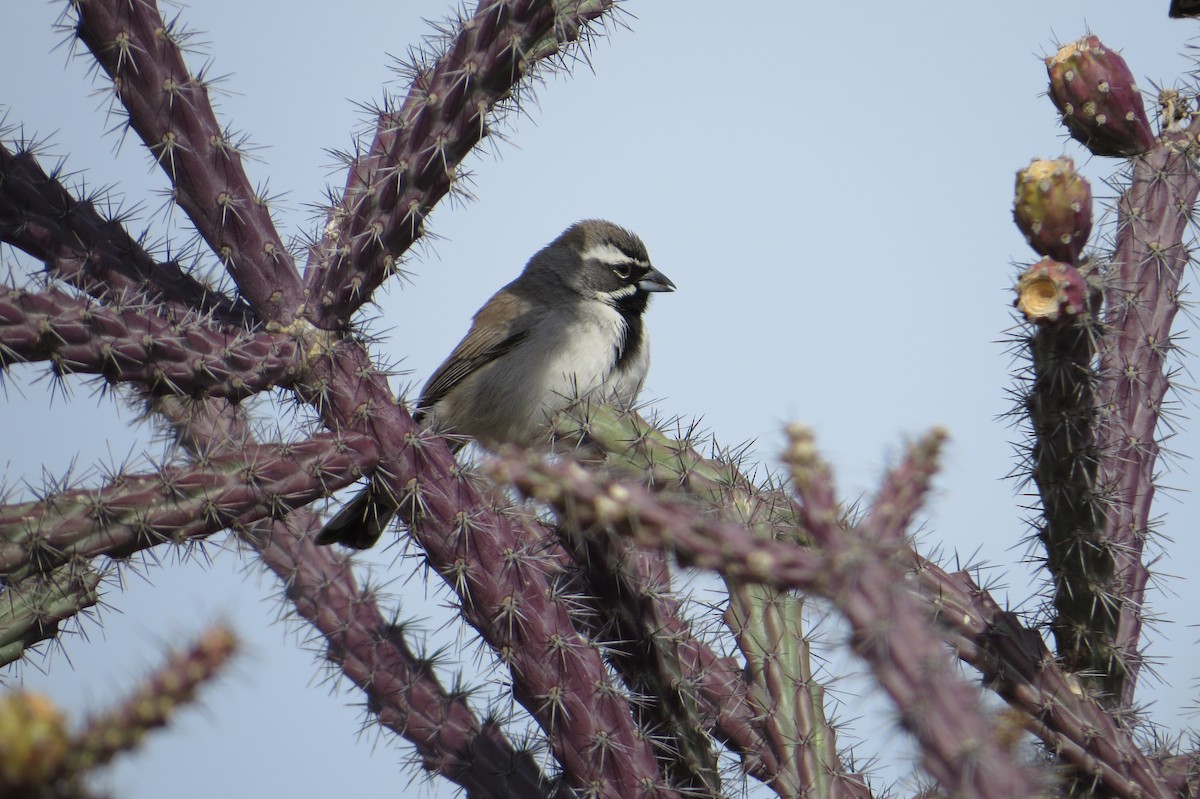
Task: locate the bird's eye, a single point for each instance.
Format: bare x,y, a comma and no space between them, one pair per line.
623,271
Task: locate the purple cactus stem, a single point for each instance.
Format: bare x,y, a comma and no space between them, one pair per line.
128,341
138,511
1053,208
169,109
83,247
1100,104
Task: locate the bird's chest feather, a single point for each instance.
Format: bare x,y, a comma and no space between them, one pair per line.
578,354
568,355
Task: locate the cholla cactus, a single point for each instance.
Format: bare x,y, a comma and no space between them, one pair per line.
571,587
39,756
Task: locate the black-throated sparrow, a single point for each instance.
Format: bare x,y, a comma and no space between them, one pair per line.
570,326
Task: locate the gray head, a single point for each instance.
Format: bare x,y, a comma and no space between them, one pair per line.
598,260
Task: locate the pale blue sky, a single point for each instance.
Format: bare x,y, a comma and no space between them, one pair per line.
829,185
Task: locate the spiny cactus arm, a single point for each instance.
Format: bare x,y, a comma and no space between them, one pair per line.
1061,301
633,607
412,161
1016,664
401,688
135,512
175,684
890,629
32,609
504,571
629,591
1182,772
41,757
786,703
1013,658
1063,308
903,491
731,549
169,108
92,252
784,695
1149,262
651,521
129,342
641,447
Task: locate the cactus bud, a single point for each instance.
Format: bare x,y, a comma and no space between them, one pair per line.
33,744
1094,91
1053,208
1050,290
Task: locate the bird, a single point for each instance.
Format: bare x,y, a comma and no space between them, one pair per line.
1184,8
569,326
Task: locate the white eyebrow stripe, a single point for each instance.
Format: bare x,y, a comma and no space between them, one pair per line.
616,294
608,254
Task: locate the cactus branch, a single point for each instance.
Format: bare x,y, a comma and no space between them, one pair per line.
401,689
95,254
175,684
129,342
412,161
169,108
630,590
1012,658
1148,265
498,566
135,512
31,610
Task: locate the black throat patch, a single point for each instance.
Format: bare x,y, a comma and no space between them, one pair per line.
631,309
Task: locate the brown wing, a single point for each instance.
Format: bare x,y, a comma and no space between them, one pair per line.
501,324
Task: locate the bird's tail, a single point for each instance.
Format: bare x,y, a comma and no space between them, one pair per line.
359,523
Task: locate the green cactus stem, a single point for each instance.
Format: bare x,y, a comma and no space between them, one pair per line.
31,610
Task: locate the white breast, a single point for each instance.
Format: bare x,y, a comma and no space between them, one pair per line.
568,355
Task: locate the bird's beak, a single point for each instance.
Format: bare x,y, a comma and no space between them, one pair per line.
655,280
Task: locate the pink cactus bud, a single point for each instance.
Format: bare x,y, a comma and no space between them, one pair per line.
1100,104
1050,290
1053,208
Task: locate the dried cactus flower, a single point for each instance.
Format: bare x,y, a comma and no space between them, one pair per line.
1050,290
1100,104
1053,208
